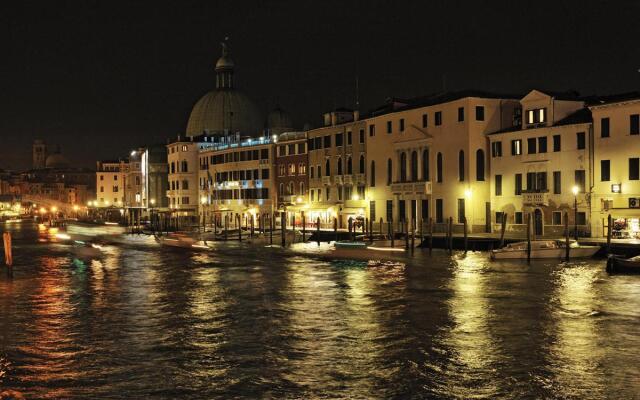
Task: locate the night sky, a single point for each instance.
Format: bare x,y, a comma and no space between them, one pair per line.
101,77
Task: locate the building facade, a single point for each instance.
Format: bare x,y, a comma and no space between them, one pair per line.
616,165
291,178
236,178
542,167
337,173
428,158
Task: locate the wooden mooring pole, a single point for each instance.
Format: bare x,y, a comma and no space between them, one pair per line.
566,236
528,237
466,237
430,236
609,228
304,226
503,226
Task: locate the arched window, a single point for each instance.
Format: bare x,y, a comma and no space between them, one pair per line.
173,167
389,171
291,189
403,167
339,166
361,169
281,189
461,166
480,165
439,168
349,166
327,168
414,166
319,172
185,166
302,188
425,165
373,174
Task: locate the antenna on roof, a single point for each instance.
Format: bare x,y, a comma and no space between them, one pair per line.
357,93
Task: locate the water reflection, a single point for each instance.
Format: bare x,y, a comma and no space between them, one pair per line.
147,322
577,351
473,349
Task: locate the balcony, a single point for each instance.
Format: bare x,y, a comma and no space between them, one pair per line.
338,179
360,179
326,180
411,187
535,198
348,180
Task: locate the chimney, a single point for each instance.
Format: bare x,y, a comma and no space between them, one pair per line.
356,115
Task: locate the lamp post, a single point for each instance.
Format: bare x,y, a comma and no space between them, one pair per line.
575,191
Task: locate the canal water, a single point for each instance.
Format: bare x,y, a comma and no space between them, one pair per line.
139,321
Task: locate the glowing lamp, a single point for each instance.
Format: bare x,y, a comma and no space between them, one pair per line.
575,190
616,188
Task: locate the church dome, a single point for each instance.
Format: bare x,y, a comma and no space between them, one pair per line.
279,120
225,109
221,110
56,160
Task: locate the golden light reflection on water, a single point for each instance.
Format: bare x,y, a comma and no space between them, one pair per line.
577,351
334,317
474,349
52,348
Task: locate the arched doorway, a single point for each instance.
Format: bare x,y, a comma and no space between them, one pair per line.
537,222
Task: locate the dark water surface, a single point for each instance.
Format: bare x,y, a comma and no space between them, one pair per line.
138,321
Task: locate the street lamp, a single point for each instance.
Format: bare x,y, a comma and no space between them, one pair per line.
575,190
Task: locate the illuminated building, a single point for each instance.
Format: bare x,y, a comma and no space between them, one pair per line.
616,165
290,173
536,164
337,168
428,158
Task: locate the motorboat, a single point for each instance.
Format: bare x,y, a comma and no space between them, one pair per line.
544,249
180,239
621,265
348,244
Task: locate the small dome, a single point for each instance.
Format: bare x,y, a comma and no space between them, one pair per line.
278,119
229,110
56,160
224,62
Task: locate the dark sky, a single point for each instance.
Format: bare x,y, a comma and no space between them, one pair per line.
99,77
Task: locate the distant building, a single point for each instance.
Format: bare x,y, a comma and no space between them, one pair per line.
39,154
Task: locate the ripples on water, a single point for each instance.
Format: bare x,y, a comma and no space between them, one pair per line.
137,321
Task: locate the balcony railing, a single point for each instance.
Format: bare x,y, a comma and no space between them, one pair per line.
326,180
411,187
535,198
338,179
348,180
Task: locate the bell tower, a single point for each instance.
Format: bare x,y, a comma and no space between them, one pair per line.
39,154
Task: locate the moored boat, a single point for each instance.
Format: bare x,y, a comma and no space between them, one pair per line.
553,249
348,244
621,265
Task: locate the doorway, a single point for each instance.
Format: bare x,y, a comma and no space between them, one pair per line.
537,222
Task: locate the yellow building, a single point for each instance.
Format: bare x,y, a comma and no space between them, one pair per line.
337,169
182,160
428,158
616,187
537,165
110,183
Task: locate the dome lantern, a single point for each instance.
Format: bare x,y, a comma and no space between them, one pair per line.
224,68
